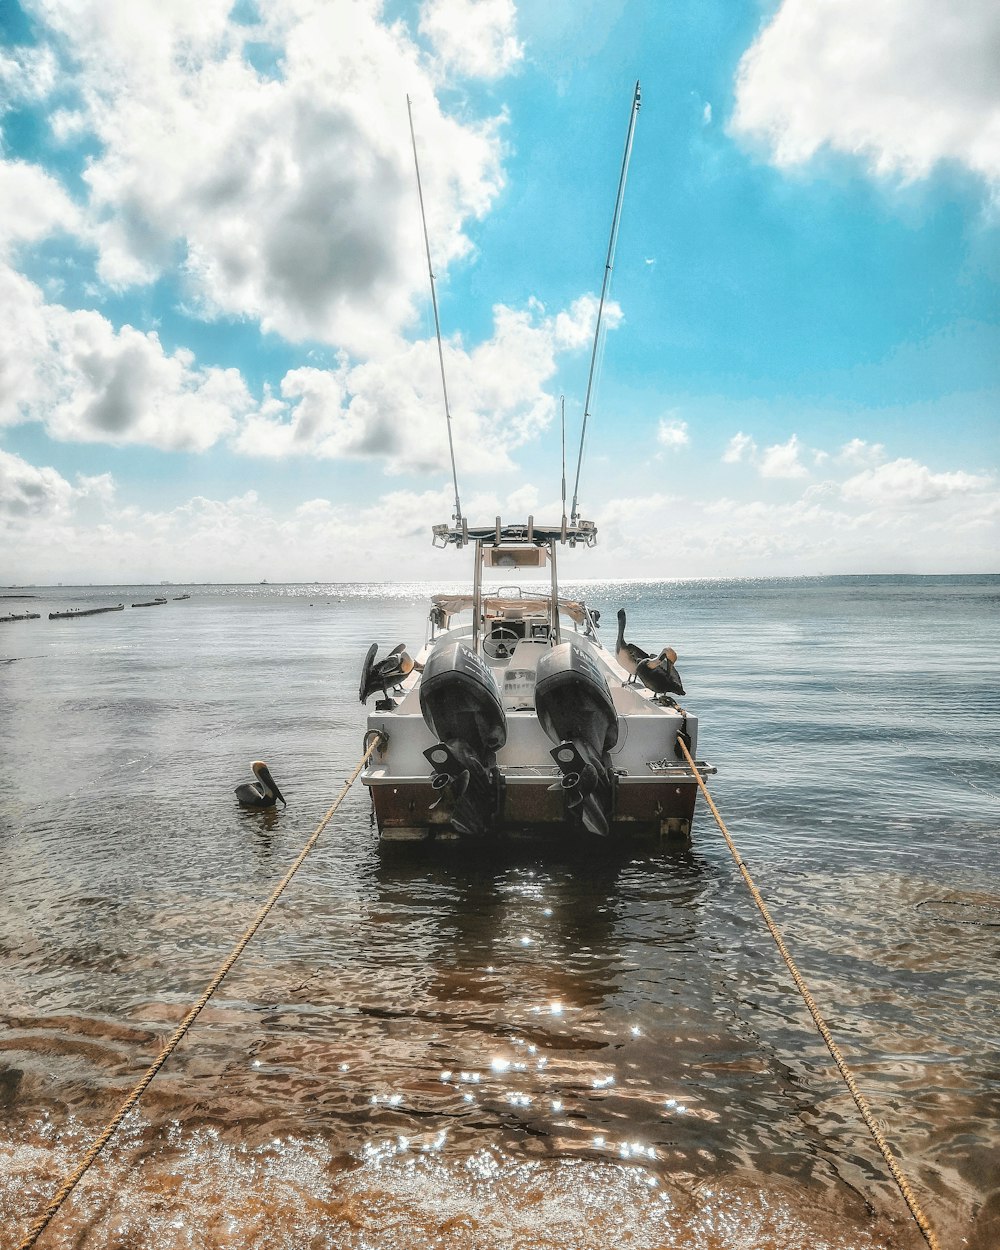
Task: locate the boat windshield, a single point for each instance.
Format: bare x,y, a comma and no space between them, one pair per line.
509,606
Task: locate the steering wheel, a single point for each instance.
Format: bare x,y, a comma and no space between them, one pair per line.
500,644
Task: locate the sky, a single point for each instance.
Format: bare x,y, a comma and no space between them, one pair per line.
217,350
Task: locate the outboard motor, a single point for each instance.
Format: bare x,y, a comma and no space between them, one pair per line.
575,709
461,706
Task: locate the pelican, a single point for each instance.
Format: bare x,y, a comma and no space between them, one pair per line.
627,654
388,672
263,792
659,674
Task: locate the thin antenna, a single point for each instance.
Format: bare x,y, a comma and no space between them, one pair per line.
562,403
437,323
615,222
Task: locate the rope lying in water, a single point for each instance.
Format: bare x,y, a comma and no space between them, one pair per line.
71,1181
862,1103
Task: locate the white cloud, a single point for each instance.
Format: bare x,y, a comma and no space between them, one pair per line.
393,407
672,433
99,486
122,387
730,537
782,460
86,381
27,491
522,502
740,446
904,482
32,205
900,483
285,191
473,37
954,528
26,351
288,193
858,452
27,74
53,530
903,84
574,328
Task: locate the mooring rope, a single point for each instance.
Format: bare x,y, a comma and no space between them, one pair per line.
71,1181
862,1103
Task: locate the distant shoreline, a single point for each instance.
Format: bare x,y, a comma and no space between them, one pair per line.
36,587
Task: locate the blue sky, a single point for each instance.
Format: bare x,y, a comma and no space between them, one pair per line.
216,348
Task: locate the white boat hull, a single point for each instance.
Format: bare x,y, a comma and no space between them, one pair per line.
654,792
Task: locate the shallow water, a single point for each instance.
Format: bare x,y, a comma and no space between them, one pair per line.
525,1049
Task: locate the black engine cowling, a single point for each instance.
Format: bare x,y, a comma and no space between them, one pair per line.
461,705
576,711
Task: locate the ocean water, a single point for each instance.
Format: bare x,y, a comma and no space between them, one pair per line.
514,1049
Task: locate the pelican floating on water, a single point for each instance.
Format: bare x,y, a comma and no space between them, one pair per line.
628,654
658,674
263,792
388,672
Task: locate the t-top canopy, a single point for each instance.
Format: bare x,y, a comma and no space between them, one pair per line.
582,532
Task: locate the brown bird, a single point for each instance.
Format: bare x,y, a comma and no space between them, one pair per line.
627,654
263,792
388,672
659,674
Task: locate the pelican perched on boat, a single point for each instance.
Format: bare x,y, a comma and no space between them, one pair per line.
262,793
658,673
388,672
628,654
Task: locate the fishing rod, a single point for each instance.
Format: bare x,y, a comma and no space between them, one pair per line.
609,264
562,405
437,322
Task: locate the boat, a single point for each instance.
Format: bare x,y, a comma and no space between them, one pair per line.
73,612
515,720
178,598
